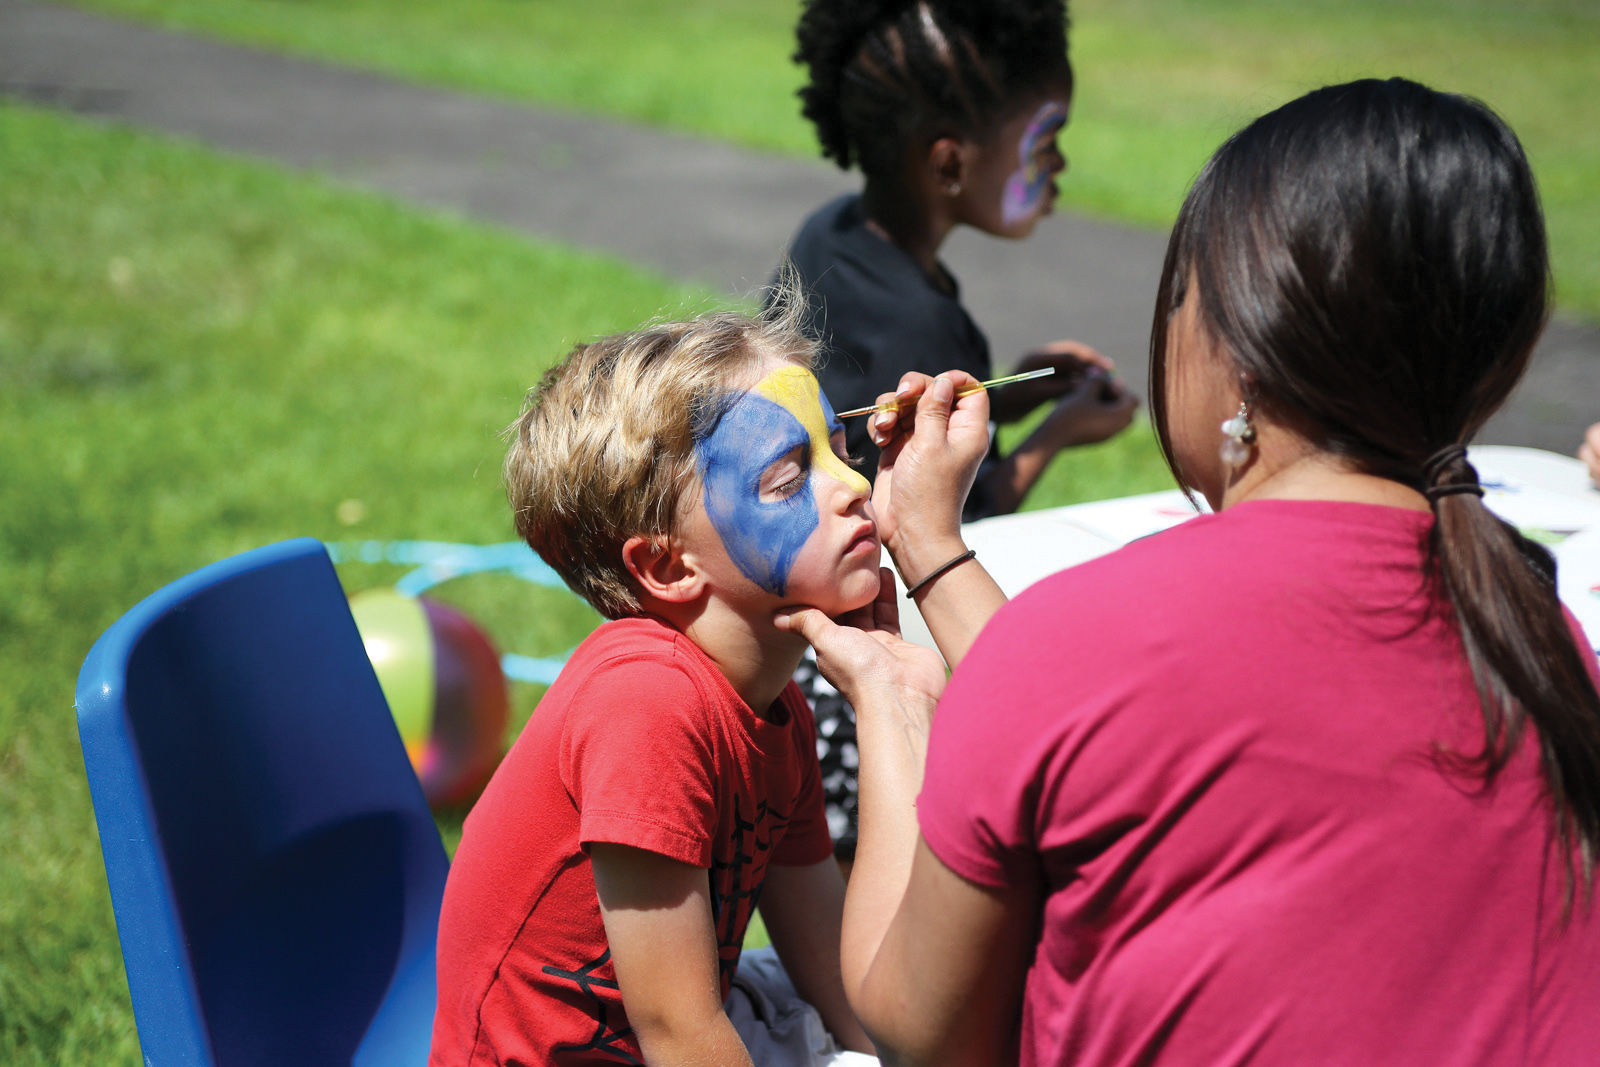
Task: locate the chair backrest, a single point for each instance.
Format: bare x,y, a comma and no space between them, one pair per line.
274,869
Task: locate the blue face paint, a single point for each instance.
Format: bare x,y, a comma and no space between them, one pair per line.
784,412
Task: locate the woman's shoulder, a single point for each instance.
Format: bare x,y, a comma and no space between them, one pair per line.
1225,562
1155,558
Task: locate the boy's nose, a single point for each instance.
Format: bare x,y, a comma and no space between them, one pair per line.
829,465
857,484
845,486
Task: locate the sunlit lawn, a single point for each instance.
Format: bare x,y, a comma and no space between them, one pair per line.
198,356
1160,82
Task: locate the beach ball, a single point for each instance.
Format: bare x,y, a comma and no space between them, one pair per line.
442,678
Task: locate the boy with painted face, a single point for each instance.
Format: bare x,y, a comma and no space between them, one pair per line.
687,480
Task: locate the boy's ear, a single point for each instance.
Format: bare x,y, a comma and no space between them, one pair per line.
661,569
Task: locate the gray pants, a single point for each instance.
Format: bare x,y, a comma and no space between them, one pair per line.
779,1028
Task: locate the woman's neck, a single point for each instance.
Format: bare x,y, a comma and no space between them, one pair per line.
904,217
1286,468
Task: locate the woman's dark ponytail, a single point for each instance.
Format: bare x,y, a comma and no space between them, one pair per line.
1373,257
1521,649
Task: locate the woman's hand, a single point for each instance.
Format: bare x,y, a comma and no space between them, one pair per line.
863,656
933,965
923,479
931,450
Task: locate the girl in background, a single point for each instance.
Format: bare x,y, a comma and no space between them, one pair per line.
951,110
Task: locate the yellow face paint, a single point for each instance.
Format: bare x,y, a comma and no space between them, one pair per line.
796,390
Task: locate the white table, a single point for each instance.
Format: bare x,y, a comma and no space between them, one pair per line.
1546,495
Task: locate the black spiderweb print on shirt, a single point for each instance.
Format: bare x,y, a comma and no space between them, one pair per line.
735,891
607,1039
736,883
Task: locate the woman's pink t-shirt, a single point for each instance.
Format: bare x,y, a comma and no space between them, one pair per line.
1221,755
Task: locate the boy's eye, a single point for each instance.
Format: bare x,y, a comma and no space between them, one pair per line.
790,487
785,477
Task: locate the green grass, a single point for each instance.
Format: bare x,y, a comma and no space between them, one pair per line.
198,356
1160,82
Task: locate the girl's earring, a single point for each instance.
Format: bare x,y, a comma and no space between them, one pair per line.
1238,435
953,190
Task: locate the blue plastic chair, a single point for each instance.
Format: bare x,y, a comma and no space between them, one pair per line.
274,869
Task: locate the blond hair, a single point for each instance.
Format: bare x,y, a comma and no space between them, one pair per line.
604,449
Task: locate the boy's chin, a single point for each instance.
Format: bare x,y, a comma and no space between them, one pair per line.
842,601
855,599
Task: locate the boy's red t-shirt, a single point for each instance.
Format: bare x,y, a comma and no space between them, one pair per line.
641,742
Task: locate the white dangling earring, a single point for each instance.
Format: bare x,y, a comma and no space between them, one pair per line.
1237,437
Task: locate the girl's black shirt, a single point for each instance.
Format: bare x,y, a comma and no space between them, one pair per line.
876,315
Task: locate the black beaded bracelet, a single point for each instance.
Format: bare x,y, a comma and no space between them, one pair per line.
970,553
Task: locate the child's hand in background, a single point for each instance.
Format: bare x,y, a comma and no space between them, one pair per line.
1073,361
1099,407
1589,452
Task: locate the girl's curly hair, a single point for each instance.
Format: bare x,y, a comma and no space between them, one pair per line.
885,71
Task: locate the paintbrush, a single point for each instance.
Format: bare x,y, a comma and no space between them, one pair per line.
894,405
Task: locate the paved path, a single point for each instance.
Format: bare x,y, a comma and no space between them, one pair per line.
693,209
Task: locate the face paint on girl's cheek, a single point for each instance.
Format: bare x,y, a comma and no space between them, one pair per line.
784,411
1025,188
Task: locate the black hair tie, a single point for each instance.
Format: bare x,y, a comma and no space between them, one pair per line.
1434,492
1438,463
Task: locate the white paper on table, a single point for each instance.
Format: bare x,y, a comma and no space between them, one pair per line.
1578,579
1129,518
1016,550
1534,489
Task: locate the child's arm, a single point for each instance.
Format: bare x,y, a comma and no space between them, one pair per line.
657,914
1072,361
1096,408
802,907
